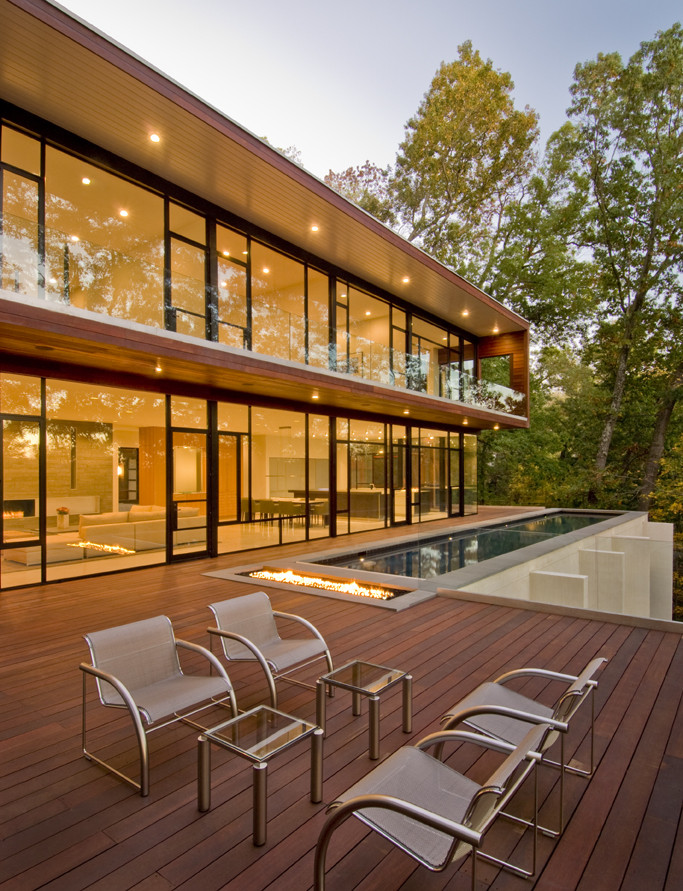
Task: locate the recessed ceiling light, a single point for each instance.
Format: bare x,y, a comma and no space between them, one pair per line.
496,426
224,284
158,368
123,213
495,330
226,253
465,312
405,279
314,228
74,238
367,312
154,137
315,396
405,411
465,422
266,270
86,180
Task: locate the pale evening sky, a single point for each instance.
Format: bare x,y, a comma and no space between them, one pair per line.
340,80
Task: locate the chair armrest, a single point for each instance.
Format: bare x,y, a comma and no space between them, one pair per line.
444,736
301,621
232,635
389,802
214,662
534,672
121,689
197,648
454,718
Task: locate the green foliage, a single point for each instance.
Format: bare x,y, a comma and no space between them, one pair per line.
465,155
667,502
586,242
368,187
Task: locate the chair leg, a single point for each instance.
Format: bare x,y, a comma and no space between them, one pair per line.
143,750
504,864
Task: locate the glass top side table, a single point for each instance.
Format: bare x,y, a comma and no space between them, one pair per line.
258,735
370,680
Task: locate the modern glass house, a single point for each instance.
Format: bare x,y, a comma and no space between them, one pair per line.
205,348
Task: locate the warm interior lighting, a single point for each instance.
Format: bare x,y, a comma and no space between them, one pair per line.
314,228
74,238
405,411
154,137
495,330
86,180
465,312
315,396
496,426
123,213
405,279
96,546
289,577
266,270
158,368
367,312
465,422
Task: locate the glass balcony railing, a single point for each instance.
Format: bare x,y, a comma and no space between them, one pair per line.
130,285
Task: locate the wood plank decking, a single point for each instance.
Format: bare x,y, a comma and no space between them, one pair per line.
66,824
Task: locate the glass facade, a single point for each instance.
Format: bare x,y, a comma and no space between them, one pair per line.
77,234
97,478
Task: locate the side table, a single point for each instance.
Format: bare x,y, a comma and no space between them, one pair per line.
367,679
258,735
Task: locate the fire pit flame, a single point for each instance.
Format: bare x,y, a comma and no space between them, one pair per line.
288,577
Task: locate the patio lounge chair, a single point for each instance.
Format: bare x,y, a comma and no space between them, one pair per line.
248,632
504,722
430,811
136,667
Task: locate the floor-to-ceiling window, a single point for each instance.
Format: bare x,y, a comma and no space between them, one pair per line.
362,475
469,458
62,462
278,305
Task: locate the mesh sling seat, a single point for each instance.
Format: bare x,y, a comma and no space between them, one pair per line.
494,709
430,811
136,667
247,630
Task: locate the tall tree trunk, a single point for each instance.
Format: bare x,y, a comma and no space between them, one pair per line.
614,408
654,456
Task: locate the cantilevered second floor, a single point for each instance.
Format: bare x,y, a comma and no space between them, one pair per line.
138,218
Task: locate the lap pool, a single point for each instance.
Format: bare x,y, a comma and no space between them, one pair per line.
435,556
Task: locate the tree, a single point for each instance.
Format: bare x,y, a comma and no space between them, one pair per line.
624,153
465,156
368,187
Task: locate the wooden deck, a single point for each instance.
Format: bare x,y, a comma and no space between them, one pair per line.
66,824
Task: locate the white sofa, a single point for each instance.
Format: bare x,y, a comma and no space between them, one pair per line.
142,528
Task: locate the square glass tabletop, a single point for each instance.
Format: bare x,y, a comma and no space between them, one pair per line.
364,677
259,733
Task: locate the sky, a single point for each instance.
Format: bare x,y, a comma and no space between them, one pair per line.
338,81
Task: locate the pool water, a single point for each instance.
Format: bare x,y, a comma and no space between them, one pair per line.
427,558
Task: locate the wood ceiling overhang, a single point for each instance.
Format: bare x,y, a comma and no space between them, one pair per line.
57,67
55,341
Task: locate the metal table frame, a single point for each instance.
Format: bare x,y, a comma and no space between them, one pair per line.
259,764
371,691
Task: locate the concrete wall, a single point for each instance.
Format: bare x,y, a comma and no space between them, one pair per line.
625,569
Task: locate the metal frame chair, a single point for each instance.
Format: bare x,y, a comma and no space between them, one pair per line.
433,813
136,667
497,711
248,632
